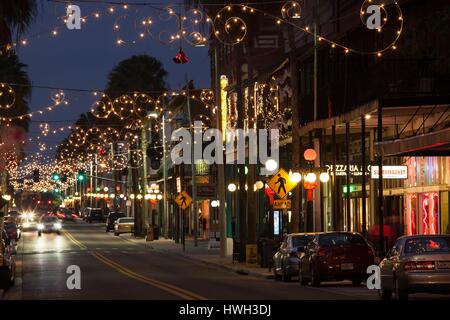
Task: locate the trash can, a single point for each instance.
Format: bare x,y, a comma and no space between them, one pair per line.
268,249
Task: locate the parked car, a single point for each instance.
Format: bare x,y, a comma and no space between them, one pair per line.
95,214
287,259
112,218
12,230
336,256
415,264
49,224
7,262
124,225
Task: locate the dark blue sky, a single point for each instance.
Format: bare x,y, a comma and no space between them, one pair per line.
83,58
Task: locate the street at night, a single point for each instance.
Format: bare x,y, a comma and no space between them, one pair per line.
225,159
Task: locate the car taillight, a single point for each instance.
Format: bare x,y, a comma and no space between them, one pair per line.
419,265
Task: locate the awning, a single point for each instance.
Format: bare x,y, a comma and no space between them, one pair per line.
430,144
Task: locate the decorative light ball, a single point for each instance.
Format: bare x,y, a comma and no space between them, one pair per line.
271,165
310,155
259,185
324,177
139,196
147,197
112,195
105,189
311,177
232,187
132,196
296,177
153,196
122,196
159,196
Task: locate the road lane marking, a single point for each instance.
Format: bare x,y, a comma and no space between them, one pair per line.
179,292
73,240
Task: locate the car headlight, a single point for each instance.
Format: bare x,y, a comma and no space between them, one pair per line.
31,215
24,215
57,225
40,226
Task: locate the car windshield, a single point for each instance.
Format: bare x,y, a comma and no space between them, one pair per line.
340,239
424,245
126,220
301,241
49,219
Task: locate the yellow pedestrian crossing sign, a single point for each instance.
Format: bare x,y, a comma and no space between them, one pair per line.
281,183
183,200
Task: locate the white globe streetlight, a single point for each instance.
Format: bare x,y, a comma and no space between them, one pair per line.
259,185
232,187
296,177
311,177
324,177
271,165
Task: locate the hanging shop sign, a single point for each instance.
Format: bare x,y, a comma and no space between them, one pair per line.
341,170
390,172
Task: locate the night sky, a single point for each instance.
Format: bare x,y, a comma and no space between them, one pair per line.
83,58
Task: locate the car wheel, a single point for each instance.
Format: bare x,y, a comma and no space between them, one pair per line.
58,233
315,279
301,280
275,275
116,234
39,234
400,293
284,276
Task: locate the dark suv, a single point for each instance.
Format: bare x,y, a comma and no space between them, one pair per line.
95,214
111,219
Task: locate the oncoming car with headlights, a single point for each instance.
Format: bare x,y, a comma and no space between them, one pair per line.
49,224
28,221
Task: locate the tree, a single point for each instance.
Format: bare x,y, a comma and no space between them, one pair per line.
15,17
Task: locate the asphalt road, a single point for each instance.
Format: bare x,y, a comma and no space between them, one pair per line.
115,268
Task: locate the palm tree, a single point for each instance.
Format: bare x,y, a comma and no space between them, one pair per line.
15,17
12,71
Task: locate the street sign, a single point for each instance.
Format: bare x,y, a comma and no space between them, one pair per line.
282,204
281,183
183,200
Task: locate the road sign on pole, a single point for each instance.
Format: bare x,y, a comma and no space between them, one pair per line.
282,204
281,183
183,200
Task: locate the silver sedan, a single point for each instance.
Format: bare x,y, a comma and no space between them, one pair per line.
416,264
287,259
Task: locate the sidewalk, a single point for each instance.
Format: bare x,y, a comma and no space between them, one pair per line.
202,254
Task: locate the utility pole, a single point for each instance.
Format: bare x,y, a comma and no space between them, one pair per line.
165,211
144,172
220,166
194,182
